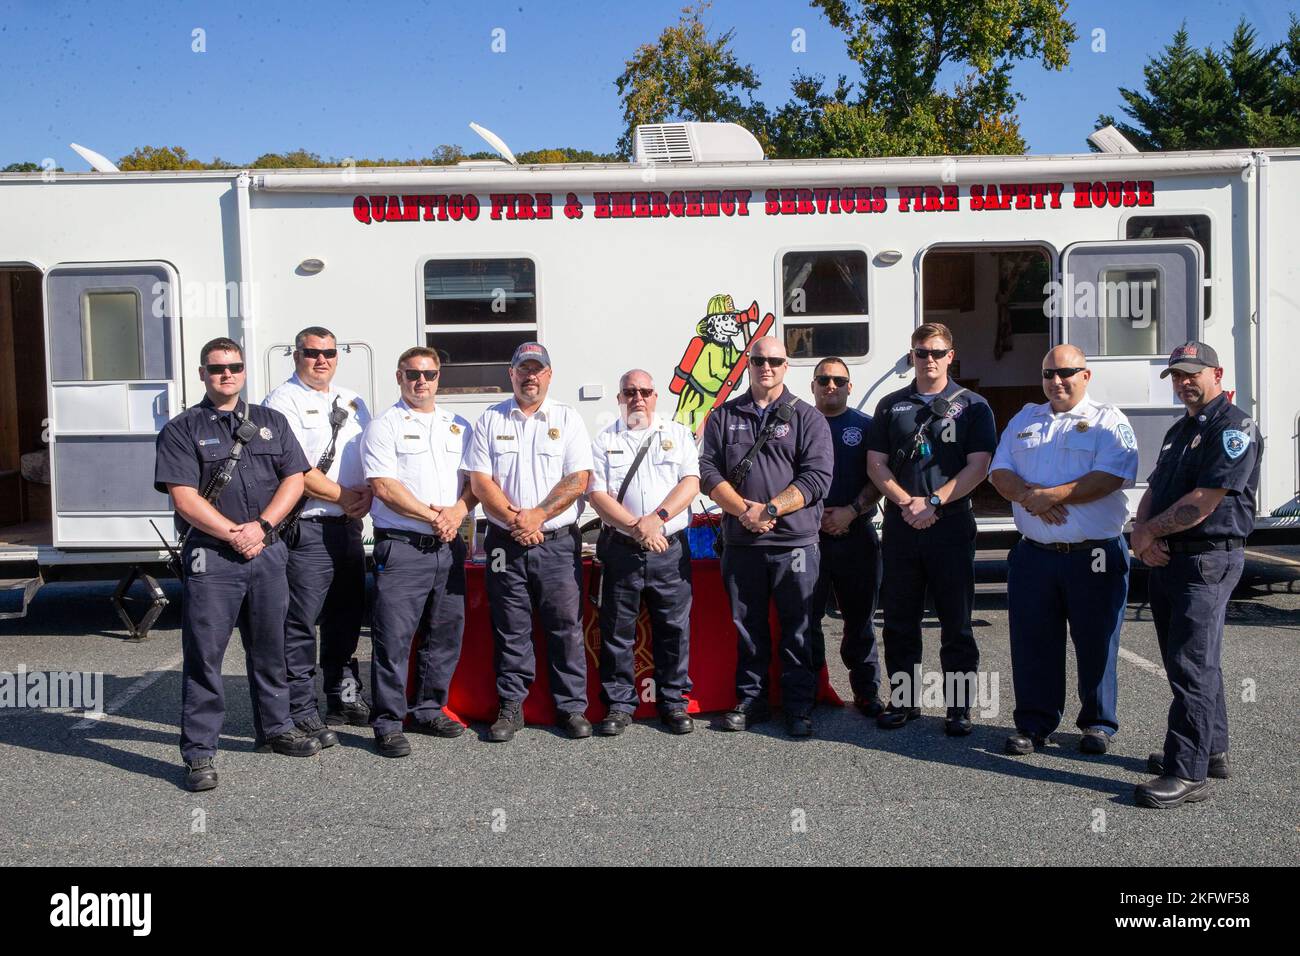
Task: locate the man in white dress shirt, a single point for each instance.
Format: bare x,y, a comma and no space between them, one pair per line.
529,463
327,562
414,457
1064,465
646,473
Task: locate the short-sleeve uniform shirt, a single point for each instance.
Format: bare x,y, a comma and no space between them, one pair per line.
670,457
425,451
308,413
194,445
1219,447
527,455
1047,448
849,431
966,429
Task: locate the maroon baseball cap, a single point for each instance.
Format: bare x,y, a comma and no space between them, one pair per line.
1191,357
531,352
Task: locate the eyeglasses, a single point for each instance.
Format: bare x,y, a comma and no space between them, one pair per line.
319,353
772,360
234,368
839,380
634,392
415,374
1063,372
935,354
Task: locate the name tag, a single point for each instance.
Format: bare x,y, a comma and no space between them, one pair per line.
1025,435
313,411
412,437
209,441
505,437
616,451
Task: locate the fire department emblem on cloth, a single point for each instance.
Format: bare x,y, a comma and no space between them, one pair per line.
455,429
554,433
1235,443
1081,427
667,444
851,436
780,431
265,433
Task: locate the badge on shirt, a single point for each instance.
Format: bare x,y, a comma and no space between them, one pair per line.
780,431
1235,443
851,436
1195,441
265,433
554,433
667,444
455,429
1081,427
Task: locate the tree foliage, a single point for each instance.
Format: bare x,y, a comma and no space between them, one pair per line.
1242,96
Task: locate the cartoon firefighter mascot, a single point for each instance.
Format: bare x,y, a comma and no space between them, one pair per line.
714,360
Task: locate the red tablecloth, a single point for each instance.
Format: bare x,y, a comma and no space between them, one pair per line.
712,668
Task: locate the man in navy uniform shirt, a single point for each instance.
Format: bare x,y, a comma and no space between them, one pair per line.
1191,527
773,515
849,547
233,564
929,448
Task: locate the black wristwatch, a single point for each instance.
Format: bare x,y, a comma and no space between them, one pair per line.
268,528
935,502
772,510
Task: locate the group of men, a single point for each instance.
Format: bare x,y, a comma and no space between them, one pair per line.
269,501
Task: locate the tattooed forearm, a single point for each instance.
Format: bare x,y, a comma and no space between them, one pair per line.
1180,517
565,493
789,500
867,497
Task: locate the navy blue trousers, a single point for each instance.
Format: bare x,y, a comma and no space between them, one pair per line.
754,577
1189,599
940,560
415,591
850,564
663,581
327,583
1046,591
547,577
223,591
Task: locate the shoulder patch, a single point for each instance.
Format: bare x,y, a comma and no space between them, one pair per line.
1235,443
1126,436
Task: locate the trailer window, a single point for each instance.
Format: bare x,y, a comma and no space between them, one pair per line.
824,303
476,311
1196,228
1128,302
111,335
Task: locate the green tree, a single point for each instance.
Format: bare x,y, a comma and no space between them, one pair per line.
686,76
21,168
153,158
1244,96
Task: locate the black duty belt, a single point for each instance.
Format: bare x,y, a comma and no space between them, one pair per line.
421,542
567,530
328,519
1063,546
1205,544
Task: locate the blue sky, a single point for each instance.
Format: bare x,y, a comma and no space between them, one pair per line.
398,79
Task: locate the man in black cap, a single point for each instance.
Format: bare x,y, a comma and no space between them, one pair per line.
1191,528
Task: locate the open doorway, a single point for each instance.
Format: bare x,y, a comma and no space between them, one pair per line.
24,450
993,298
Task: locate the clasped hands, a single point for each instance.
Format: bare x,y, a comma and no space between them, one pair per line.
755,517
837,519
248,539
648,531
447,520
355,502
1150,550
1044,503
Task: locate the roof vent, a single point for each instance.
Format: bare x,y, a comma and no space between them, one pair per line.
668,143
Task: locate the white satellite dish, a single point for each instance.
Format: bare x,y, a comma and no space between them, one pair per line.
99,163
496,142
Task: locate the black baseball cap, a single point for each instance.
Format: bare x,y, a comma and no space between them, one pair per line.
1191,357
531,352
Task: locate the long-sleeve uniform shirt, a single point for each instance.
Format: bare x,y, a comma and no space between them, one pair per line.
1047,448
308,413
799,453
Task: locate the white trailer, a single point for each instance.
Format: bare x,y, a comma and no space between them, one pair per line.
110,283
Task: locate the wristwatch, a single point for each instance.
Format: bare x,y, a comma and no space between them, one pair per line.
268,528
854,505
663,514
772,511
935,502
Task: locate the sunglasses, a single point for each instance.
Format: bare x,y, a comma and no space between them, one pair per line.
234,368
415,374
930,353
772,360
1065,373
634,392
839,380
319,353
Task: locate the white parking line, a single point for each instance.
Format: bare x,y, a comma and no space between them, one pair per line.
1140,661
130,694
1275,558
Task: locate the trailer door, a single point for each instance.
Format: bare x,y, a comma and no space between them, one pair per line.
1127,305
113,360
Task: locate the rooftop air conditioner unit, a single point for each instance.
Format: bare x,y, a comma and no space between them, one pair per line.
668,143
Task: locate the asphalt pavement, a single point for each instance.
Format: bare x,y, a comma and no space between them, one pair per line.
107,792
